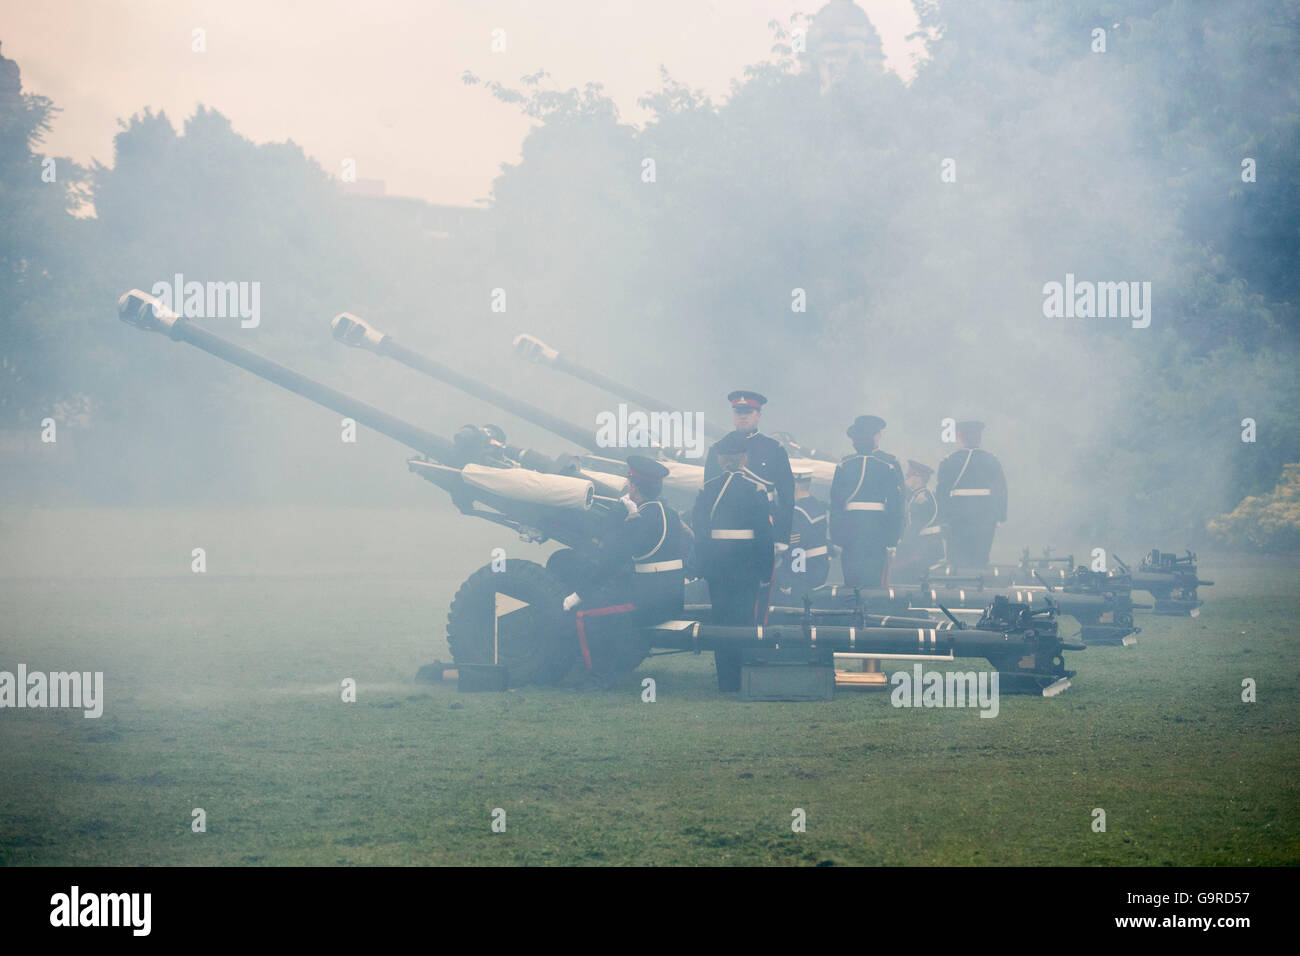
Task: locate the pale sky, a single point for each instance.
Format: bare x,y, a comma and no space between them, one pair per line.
380,81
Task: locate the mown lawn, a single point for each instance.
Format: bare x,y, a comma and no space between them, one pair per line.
222,692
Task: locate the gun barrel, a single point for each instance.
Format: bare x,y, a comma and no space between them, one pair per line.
145,312
352,330
1000,647
534,349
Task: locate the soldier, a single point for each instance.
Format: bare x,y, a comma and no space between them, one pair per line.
734,546
808,562
866,505
972,493
921,548
640,579
768,462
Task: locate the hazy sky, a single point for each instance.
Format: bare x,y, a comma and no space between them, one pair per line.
380,81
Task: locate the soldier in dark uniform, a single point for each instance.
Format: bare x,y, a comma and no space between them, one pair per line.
639,579
921,548
866,505
768,462
808,562
972,493
733,546
769,465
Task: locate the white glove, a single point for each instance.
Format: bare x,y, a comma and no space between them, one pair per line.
572,601
630,505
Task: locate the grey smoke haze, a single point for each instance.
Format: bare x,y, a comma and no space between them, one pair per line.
924,297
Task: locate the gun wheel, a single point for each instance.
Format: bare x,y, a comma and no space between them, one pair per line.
519,611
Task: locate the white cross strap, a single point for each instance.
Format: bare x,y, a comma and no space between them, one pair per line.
732,534
968,492
865,506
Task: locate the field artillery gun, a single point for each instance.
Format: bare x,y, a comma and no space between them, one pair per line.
512,620
603,465
495,615
1022,643
1171,580
1101,602
1042,569
1104,612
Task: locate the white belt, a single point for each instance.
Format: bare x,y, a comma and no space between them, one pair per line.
866,506
815,552
656,566
933,529
968,492
728,534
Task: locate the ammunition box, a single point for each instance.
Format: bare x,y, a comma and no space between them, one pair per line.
481,677
793,674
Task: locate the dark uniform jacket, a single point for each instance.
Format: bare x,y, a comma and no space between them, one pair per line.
971,487
922,543
644,554
922,515
867,500
770,465
810,532
733,529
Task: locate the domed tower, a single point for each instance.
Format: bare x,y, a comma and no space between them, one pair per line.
842,42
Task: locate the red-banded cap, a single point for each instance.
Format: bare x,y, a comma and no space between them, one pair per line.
746,400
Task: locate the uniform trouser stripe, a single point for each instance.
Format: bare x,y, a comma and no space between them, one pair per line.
596,612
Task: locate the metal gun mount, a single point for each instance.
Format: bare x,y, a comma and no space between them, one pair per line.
1021,642
1171,580
1104,617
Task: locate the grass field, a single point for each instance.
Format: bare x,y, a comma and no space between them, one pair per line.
223,692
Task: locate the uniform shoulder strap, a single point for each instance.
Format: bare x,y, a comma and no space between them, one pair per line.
966,464
663,531
721,491
861,478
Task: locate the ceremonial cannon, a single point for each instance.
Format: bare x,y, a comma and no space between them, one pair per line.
604,465
511,620
495,616
1022,643
1171,580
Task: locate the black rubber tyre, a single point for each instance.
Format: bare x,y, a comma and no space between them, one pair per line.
539,645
